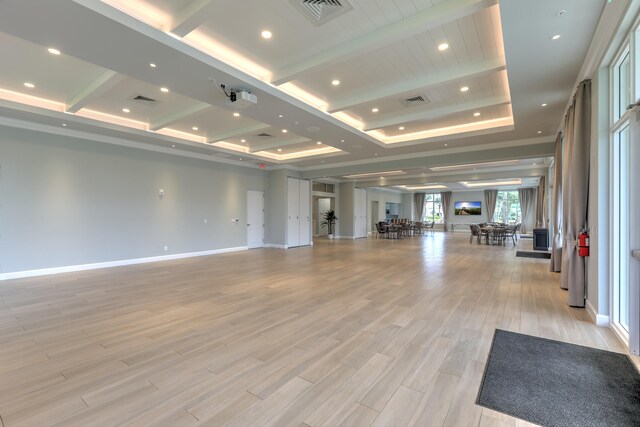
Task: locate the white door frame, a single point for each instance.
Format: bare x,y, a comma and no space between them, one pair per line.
251,226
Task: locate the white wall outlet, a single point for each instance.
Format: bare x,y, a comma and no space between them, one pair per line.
166,248
161,193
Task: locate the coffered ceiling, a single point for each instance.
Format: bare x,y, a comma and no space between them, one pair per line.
363,86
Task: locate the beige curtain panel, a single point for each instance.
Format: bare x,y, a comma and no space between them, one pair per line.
419,201
527,196
577,145
556,241
490,200
445,198
540,204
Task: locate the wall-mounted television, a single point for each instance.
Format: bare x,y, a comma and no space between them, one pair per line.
468,208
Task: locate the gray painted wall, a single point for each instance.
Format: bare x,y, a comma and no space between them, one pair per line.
346,210
382,197
66,201
466,196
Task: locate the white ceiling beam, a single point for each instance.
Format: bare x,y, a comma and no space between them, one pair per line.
189,18
434,113
95,90
178,115
418,23
238,132
412,87
271,143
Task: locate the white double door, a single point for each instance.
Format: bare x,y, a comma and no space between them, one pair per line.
359,213
298,212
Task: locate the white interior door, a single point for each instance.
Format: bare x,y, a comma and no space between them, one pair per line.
255,219
304,213
360,213
293,212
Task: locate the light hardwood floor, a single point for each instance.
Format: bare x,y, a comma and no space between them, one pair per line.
356,333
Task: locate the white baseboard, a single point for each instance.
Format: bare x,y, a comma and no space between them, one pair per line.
271,245
109,264
598,319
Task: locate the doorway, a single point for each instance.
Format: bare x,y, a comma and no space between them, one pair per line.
255,219
321,206
374,214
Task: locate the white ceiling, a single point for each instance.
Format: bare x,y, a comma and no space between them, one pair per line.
381,51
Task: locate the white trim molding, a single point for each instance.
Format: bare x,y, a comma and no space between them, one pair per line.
598,319
109,264
272,245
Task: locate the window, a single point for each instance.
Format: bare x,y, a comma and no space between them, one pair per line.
622,84
508,208
321,187
432,209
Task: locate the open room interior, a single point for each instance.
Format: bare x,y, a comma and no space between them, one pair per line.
315,212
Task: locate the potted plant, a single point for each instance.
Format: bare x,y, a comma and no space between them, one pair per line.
328,219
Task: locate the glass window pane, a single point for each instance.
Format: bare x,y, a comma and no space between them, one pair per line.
624,84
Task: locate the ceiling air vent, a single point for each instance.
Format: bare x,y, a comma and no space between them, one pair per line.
321,11
144,100
415,100
265,135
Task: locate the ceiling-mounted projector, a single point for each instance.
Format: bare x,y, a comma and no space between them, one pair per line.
242,99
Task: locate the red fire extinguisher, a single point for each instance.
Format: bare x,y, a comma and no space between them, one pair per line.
583,243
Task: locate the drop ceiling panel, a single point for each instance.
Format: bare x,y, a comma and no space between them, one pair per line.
253,139
410,59
119,97
294,37
56,77
214,122
447,95
449,120
295,148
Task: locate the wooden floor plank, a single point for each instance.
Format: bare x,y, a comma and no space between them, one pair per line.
360,332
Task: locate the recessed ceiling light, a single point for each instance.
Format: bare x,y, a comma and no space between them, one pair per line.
126,110
236,114
243,140
544,105
266,34
556,37
164,89
443,46
279,149
374,110
195,128
319,142
464,89
280,115
240,158
375,154
476,114
539,131
29,85
401,128
152,65
64,125
446,145
342,140
173,146
322,161
335,82
54,51
284,131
